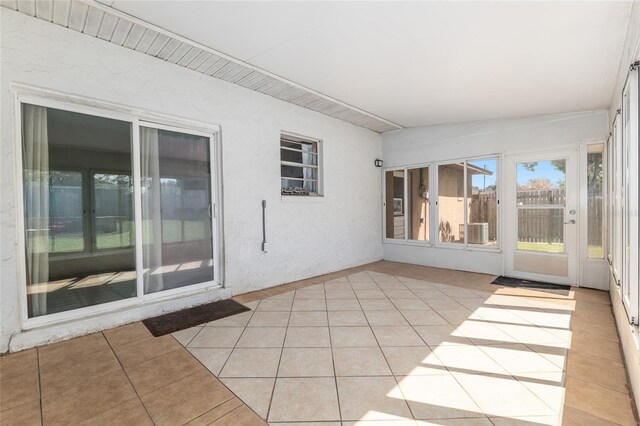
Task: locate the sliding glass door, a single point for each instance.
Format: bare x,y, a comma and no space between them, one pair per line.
115,210
73,255
175,173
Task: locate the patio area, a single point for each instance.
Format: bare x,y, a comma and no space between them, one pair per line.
386,343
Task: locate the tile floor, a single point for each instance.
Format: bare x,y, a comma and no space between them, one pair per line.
382,344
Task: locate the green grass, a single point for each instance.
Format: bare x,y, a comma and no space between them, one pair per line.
594,252
546,247
171,233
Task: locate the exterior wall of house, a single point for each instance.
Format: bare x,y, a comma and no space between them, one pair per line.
451,200
307,237
477,139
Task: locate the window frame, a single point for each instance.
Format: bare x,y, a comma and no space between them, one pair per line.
609,152
465,245
617,207
596,147
444,244
296,138
215,220
22,94
408,240
630,281
434,211
386,239
88,220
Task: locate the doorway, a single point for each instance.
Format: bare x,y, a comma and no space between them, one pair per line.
542,214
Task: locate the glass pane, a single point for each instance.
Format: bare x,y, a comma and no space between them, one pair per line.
482,226
394,204
298,180
541,229
299,172
451,203
304,154
113,210
176,200
629,212
418,206
64,269
594,202
541,182
66,211
303,146
618,207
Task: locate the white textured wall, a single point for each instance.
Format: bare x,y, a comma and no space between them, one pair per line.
474,139
306,238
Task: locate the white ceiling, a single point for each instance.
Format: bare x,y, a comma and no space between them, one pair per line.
419,63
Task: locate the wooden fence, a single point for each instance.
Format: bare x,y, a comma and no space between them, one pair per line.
538,225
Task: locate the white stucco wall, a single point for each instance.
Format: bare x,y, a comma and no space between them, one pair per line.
474,139
307,238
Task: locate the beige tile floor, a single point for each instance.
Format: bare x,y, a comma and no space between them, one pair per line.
123,376
382,344
401,344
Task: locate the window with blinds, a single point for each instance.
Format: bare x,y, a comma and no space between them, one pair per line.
299,166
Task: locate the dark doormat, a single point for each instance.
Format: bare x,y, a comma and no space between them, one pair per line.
187,318
533,285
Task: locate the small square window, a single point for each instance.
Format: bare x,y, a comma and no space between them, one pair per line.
299,166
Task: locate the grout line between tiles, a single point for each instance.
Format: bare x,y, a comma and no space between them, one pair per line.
406,403
333,361
39,387
219,405
275,379
226,387
128,378
535,306
236,344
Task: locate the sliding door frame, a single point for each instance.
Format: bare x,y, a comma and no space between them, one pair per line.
23,94
164,294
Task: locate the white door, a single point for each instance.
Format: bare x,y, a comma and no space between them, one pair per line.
542,216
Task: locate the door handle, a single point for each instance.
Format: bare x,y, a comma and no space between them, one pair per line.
571,222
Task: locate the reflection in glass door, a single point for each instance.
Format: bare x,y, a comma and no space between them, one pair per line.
113,211
79,250
176,209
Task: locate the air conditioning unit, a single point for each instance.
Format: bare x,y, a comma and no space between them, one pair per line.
478,233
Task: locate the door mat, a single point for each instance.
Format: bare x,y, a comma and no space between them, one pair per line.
187,318
533,285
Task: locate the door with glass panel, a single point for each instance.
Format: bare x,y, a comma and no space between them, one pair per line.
542,225
176,208
78,222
